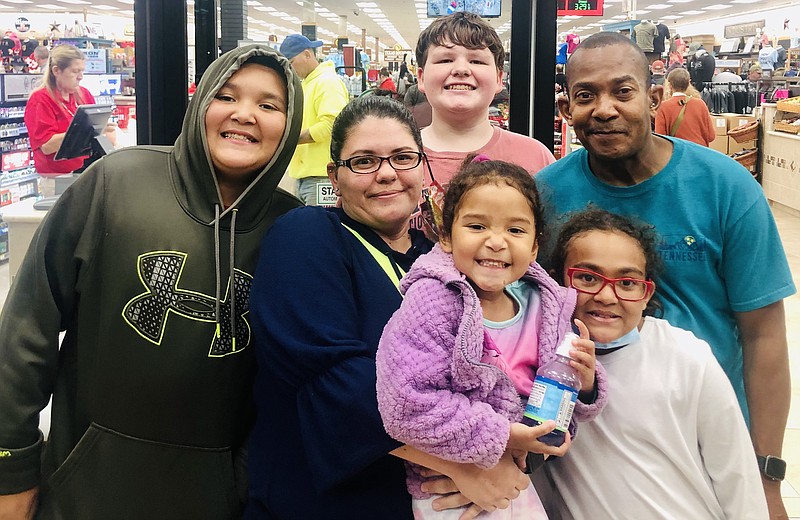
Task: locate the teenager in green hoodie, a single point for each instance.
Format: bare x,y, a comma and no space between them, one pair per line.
146,263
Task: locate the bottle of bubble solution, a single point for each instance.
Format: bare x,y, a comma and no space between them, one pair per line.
554,393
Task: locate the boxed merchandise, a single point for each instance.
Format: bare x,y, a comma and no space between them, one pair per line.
720,144
736,120
720,124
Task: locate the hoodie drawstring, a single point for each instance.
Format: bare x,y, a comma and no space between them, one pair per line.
216,268
231,274
233,279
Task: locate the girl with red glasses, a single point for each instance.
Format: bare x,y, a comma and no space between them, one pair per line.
671,442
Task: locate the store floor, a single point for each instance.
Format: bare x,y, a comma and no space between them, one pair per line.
789,226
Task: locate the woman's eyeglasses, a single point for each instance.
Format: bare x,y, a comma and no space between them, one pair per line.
364,164
626,289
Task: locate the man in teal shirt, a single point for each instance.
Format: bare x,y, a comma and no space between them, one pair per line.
726,273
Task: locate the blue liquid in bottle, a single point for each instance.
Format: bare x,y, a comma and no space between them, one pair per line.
554,393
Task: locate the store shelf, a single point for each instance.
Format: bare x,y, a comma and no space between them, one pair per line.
19,180
81,41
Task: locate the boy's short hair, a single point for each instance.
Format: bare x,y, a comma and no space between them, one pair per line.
461,28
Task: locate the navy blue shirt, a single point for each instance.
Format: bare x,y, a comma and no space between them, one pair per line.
318,306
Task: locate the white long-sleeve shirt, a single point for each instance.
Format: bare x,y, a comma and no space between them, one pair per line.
670,444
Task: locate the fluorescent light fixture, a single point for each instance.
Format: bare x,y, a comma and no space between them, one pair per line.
20,2
366,4
680,1
744,1
716,7
642,11
43,6
692,13
671,17
656,7
620,17
127,12
251,3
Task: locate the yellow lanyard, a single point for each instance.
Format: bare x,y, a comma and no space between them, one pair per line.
381,258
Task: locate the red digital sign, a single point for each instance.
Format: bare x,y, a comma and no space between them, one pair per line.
580,7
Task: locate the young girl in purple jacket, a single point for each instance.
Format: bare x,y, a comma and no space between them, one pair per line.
456,362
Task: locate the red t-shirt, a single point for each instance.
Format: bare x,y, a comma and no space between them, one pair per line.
45,117
388,84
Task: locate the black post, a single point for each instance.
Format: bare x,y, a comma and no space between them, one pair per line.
161,70
533,50
545,71
519,118
205,36
233,18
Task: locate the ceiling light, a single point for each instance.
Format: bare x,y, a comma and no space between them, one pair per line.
43,6
366,4
106,7
127,12
659,6
691,13
744,1
620,17
716,7
20,2
252,3
679,1
671,17
642,11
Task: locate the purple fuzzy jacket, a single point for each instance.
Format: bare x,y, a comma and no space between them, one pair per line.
434,393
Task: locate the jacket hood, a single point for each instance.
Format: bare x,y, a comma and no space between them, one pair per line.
192,172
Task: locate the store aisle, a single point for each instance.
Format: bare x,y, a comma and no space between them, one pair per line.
789,226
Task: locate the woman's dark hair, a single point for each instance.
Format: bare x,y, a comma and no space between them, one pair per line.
479,173
361,108
595,219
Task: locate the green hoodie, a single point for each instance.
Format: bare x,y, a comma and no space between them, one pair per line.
151,384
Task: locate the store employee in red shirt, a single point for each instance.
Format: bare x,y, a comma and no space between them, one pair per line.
51,107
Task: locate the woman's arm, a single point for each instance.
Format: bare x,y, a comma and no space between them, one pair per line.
42,302
317,310
53,144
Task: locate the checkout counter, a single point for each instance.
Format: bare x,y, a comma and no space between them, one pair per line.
23,220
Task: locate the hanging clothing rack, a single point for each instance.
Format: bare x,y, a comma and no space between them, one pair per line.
735,97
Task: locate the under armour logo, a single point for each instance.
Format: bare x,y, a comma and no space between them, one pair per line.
147,313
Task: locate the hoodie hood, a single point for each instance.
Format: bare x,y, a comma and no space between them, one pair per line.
192,172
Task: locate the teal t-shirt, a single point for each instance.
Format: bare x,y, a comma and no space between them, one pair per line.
721,249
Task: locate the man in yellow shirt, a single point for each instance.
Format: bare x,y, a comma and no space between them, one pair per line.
325,95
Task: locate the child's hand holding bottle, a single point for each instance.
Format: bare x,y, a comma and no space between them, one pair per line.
584,361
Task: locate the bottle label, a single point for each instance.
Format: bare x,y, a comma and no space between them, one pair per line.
551,401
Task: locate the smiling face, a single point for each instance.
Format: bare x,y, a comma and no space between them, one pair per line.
460,80
68,79
610,103
385,199
245,123
493,240
615,255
